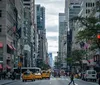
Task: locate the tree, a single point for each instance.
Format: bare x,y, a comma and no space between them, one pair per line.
76,56
57,64
43,66
90,29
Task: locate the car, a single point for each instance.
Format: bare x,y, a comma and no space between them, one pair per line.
28,75
90,75
38,75
45,74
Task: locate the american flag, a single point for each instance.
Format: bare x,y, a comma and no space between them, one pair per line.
86,46
14,29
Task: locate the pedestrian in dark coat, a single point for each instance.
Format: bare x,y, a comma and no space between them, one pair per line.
72,79
14,75
4,74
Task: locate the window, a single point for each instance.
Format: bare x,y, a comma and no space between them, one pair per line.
0,28
0,13
93,72
86,4
89,4
86,11
93,4
76,6
28,4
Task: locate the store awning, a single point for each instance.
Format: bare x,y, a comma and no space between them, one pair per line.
1,45
8,67
1,66
10,46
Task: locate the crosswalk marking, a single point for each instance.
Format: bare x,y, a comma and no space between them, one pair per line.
68,79
59,79
62,79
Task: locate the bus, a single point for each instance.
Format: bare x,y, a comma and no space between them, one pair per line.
23,69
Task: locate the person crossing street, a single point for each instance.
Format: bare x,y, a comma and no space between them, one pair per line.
72,79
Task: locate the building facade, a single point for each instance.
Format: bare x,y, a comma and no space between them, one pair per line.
62,39
40,23
87,10
9,35
30,33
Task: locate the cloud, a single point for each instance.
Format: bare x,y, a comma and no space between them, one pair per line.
51,34
49,1
52,9
52,28
51,20
52,38
53,46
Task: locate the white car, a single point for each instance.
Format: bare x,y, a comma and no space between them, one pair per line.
90,75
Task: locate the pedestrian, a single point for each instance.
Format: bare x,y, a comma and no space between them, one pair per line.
98,78
9,75
4,74
13,75
72,79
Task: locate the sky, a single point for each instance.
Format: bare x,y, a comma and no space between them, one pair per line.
52,9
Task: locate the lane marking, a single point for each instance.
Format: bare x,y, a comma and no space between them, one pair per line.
26,83
50,82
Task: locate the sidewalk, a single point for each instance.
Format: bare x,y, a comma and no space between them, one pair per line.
4,82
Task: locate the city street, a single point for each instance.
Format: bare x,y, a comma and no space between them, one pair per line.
53,81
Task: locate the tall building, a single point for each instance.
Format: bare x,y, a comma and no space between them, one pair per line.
72,9
88,9
40,13
29,33
50,59
62,39
19,42
10,25
40,23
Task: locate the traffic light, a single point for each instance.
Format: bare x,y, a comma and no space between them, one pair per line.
98,36
98,40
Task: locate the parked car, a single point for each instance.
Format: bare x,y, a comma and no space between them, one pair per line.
28,75
90,75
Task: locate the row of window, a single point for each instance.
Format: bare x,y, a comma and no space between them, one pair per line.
87,11
89,4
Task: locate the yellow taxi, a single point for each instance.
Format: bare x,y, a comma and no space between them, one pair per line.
38,75
45,74
28,75
48,75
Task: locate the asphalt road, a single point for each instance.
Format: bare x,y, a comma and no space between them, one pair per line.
53,81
